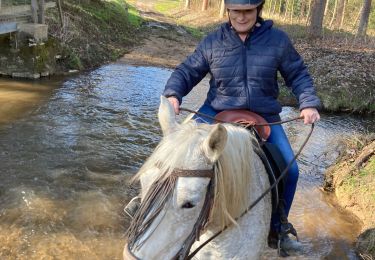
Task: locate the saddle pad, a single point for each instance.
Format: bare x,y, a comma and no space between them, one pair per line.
246,117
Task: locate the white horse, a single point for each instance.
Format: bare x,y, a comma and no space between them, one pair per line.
176,208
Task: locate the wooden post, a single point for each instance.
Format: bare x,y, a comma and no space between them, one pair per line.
34,11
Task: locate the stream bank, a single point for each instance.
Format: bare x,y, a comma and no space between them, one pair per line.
352,179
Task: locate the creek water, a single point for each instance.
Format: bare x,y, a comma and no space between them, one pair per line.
68,149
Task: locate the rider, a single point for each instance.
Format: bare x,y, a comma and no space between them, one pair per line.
243,57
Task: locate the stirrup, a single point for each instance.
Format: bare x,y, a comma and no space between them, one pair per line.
132,207
286,228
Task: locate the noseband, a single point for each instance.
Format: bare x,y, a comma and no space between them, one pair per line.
199,225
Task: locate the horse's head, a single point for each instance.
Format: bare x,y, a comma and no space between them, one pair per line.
176,187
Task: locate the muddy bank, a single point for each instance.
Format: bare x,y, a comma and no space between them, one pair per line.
352,180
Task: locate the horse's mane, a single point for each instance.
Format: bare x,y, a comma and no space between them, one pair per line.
233,170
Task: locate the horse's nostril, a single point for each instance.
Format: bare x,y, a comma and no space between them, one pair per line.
188,205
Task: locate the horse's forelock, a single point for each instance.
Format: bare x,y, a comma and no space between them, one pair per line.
173,149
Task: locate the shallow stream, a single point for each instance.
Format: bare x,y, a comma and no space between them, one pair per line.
68,149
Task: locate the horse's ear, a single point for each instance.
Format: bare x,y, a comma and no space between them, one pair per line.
215,142
167,116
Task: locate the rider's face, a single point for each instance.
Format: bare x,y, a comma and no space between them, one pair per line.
243,20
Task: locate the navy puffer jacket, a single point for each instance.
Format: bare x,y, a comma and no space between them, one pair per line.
244,74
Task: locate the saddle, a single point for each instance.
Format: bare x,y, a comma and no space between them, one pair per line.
269,153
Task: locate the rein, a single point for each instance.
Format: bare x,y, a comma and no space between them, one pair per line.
282,175
239,124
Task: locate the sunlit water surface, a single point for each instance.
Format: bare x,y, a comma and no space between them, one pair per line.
67,157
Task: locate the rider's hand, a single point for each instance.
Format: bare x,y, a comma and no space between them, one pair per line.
175,103
310,115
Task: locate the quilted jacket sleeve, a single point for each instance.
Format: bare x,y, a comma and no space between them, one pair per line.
296,76
188,74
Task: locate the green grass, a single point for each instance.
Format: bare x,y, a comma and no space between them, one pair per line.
166,6
195,32
134,17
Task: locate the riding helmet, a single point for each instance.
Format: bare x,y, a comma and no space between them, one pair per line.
242,4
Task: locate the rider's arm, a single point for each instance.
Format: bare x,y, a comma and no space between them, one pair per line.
188,74
296,76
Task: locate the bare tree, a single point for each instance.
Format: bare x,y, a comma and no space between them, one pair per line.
271,3
340,14
292,11
365,14
274,7
58,2
187,4
333,14
326,8
204,5
308,12
222,9
303,11
316,22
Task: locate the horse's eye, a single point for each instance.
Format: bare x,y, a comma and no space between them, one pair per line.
188,205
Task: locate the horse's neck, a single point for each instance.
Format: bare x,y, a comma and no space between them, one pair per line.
245,241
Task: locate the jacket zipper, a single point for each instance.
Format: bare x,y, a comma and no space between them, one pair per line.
245,71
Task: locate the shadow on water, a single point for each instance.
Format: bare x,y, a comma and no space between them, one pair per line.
68,156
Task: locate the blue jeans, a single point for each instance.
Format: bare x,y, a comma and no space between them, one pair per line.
280,140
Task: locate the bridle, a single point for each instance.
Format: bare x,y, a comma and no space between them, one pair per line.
202,220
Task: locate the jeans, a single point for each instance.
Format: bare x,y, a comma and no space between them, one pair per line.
280,140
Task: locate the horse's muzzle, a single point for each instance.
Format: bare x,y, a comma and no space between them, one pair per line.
127,254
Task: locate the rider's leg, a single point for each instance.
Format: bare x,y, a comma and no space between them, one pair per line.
279,232
279,138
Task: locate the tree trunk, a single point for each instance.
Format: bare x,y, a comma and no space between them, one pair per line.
316,22
286,10
281,7
60,13
292,11
271,3
337,23
34,11
333,15
302,11
204,5
363,23
326,8
222,9
308,12
42,11
187,4
274,7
